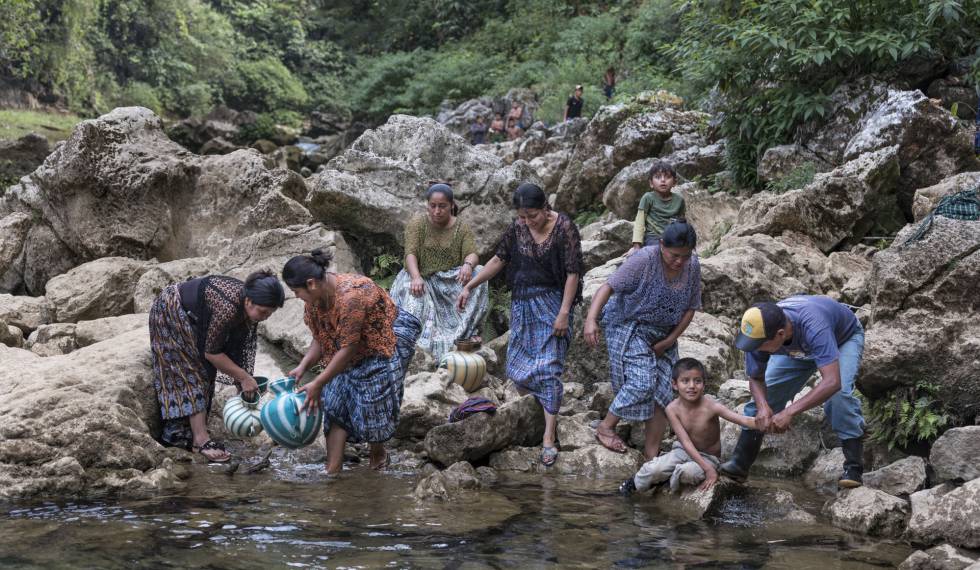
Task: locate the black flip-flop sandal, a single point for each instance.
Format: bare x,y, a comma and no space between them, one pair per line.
212,445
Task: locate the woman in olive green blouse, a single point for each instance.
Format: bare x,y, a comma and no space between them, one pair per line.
440,258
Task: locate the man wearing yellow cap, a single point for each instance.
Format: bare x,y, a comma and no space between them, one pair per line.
784,344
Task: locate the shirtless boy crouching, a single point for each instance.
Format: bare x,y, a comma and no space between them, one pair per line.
693,459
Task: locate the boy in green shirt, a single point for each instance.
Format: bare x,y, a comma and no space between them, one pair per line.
658,207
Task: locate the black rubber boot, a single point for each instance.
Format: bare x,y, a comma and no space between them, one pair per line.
746,450
853,463
627,487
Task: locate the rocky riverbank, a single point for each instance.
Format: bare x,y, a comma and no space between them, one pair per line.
119,210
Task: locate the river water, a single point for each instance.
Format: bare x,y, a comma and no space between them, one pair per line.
292,515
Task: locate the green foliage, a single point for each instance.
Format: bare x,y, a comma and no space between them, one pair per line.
586,216
141,94
776,62
265,85
908,416
385,269
794,179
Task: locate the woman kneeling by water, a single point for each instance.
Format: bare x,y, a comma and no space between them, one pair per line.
364,343
543,256
654,295
440,258
197,329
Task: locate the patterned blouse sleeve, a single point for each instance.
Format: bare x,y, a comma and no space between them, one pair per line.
223,316
505,247
413,239
627,278
352,307
468,242
695,303
571,249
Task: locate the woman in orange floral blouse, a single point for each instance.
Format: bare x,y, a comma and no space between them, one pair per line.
364,343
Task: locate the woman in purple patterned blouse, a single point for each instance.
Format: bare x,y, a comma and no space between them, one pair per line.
651,298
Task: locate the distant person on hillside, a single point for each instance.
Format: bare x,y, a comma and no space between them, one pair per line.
497,129
609,83
478,131
515,121
658,207
573,107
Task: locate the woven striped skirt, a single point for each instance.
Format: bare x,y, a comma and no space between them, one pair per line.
180,377
639,378
535,357
365,400
442,324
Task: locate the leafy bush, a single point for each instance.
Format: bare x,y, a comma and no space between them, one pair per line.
385,269
265,85
908,416
794,179
140,94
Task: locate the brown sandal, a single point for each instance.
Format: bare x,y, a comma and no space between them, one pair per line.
611,441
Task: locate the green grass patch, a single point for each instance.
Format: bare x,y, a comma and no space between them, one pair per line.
15,123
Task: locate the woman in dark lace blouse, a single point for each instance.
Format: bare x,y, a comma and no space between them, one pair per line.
197,329
543,256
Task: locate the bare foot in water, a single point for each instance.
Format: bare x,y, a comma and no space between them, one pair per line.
379,458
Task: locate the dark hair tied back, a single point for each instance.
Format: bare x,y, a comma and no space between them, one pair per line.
444,189
302,268
679,233
529,195
263,288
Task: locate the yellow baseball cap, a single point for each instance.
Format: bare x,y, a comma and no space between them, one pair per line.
759,324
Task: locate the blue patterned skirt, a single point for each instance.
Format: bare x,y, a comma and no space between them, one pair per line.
640,380
365,400
535,357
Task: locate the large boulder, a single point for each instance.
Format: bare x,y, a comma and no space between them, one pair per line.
519,422
25,313
838,207
271,249
287,330
942,557
429,398
622,195
591,461
602,241
932,144
779,161
158,277
450,484
119,187
955,456
749,269
927,287
869,511
13,233
100,288
81,424
711,213
617,136
98,330
375,187
52,340
847,106
946,514
710,339
901,478
826,470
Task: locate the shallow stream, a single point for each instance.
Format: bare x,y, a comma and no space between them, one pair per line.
292,515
